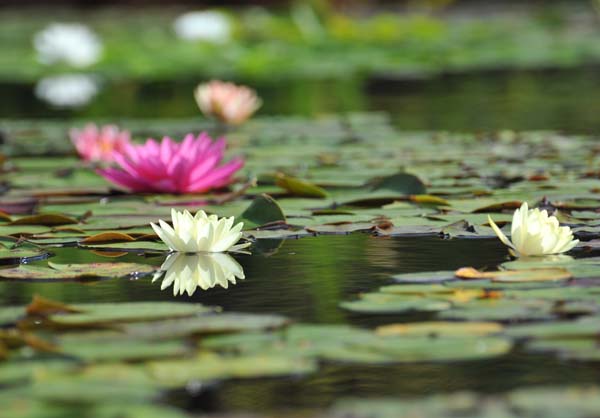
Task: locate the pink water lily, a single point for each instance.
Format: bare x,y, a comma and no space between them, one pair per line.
227,102
192,166
99,144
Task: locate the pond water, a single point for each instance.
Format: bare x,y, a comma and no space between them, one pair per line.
306,279
482,101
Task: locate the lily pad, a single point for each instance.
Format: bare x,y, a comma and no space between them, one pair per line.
108,313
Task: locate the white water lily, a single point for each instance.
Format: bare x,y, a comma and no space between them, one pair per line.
71,43
534,233
210,26
188,272
67,90
200,233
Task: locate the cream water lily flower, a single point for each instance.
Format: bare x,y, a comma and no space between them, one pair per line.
534,233
200,233
186,272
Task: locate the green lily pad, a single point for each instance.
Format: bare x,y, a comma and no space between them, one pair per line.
76,271
263,210
107,313
208,367
121,349
204,324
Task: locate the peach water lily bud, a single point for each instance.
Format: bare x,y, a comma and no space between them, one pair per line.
227,102
200,233
187,272
71,43
191,166
99,144
534,233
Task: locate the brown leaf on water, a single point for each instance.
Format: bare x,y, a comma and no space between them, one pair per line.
38,343
5,216
42,306
46,219
108,237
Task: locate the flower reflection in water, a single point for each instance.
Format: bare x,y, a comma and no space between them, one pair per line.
186,272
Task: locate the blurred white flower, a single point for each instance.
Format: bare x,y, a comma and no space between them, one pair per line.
534,233
208,26
67,90
200,233
71,43
188,272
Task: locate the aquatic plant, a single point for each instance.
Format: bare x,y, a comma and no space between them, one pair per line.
200,233
209,26
188,272
71,43
192,166
535,233
99,144
67,90
227,102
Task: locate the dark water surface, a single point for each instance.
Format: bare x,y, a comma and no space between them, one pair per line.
305,279
481,101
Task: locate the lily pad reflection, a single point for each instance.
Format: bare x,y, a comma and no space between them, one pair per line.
187,272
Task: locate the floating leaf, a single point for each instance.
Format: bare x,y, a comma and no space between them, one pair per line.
441,329
121,349
401,183
205,324
299,187
387,304
76,271
515,276
106,313
107,237
46,219
425,277
426,199
212,367
263,210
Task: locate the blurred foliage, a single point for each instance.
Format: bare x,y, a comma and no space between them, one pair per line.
314,42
